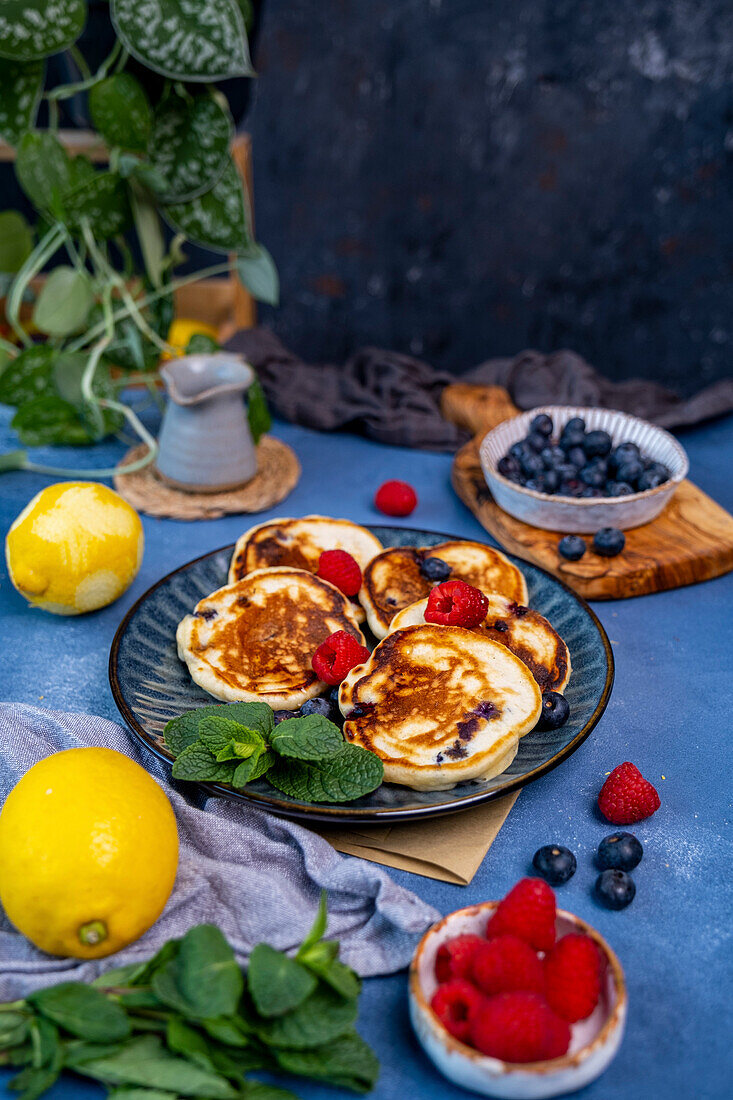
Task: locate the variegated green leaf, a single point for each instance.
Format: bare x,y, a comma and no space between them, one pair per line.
103,201
32,29
16,241
189,145
185,39
21,84
120,110
258,273
42,168
216,219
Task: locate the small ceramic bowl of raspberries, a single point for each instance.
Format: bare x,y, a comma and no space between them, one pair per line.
517,998
579,470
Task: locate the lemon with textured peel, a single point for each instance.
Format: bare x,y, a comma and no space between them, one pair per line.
181,331
88,852
77,546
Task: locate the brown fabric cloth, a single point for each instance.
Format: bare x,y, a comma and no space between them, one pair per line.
396,399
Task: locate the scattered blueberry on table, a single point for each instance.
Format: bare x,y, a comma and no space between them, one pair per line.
608,542
571,547
555,711
615,889
620,852
578,463
555,863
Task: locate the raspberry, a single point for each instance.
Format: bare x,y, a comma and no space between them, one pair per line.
396,498
573,977
338,567
627,796
527,911
457,1004
504,965
453,959
336,657
455,603
519,1027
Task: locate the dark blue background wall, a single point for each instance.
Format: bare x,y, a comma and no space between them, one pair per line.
465,178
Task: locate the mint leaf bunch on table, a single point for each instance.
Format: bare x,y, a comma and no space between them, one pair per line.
190,1023
306,758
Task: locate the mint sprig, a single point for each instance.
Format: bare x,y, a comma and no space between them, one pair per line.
305,757
190,1023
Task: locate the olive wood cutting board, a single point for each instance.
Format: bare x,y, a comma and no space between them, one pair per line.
691,541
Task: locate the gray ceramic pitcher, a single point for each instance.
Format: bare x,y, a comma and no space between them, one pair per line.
205,442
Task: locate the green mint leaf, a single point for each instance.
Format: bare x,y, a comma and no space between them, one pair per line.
238,750
252,769
34,1081
320,1018
349,774
318,928
310,738
196,763
258,1090
183,1039
141,1094
321,961
346,1062
181,732
144,1061
218,734
230,1030
44,1038
276,983
78,1051
13,1029
204,979
258,414
82,1011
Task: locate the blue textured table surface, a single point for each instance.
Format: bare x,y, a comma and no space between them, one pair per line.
670,713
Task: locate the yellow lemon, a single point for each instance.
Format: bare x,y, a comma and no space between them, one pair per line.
181,331
77,546
88,852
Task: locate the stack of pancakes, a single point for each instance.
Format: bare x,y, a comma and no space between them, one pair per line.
438,704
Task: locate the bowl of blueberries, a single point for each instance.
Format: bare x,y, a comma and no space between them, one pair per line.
578,470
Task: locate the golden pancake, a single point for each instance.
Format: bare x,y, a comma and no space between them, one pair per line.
527,633
440,705
392,580
254,640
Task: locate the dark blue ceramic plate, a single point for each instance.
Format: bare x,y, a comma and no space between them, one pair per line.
150,686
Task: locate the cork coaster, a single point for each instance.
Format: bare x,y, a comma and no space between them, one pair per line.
278,472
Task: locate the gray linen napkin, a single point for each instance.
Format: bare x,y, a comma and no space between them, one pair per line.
254,875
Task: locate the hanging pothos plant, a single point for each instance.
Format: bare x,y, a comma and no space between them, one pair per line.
102,321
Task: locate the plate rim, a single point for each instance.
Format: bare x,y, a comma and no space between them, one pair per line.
345,813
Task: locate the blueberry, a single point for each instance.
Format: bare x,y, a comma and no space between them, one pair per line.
649,480
536,441
597,444
619,851
555,711
333,695
571,547
518,450
542,423
555,863
657,468
435,569
575,424
630,470
552,480
552,457
618,489
615,889
283,715
589,491
592,475
625,451
576,455
570,440
608,542
317,706
571,487
537,484
532,465
566,471
509,467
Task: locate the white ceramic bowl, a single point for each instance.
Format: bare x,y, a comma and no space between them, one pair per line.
589,514
594,1043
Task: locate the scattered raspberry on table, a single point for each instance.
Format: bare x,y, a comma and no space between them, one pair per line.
336,657
396,498
627,796
339,568
455,603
